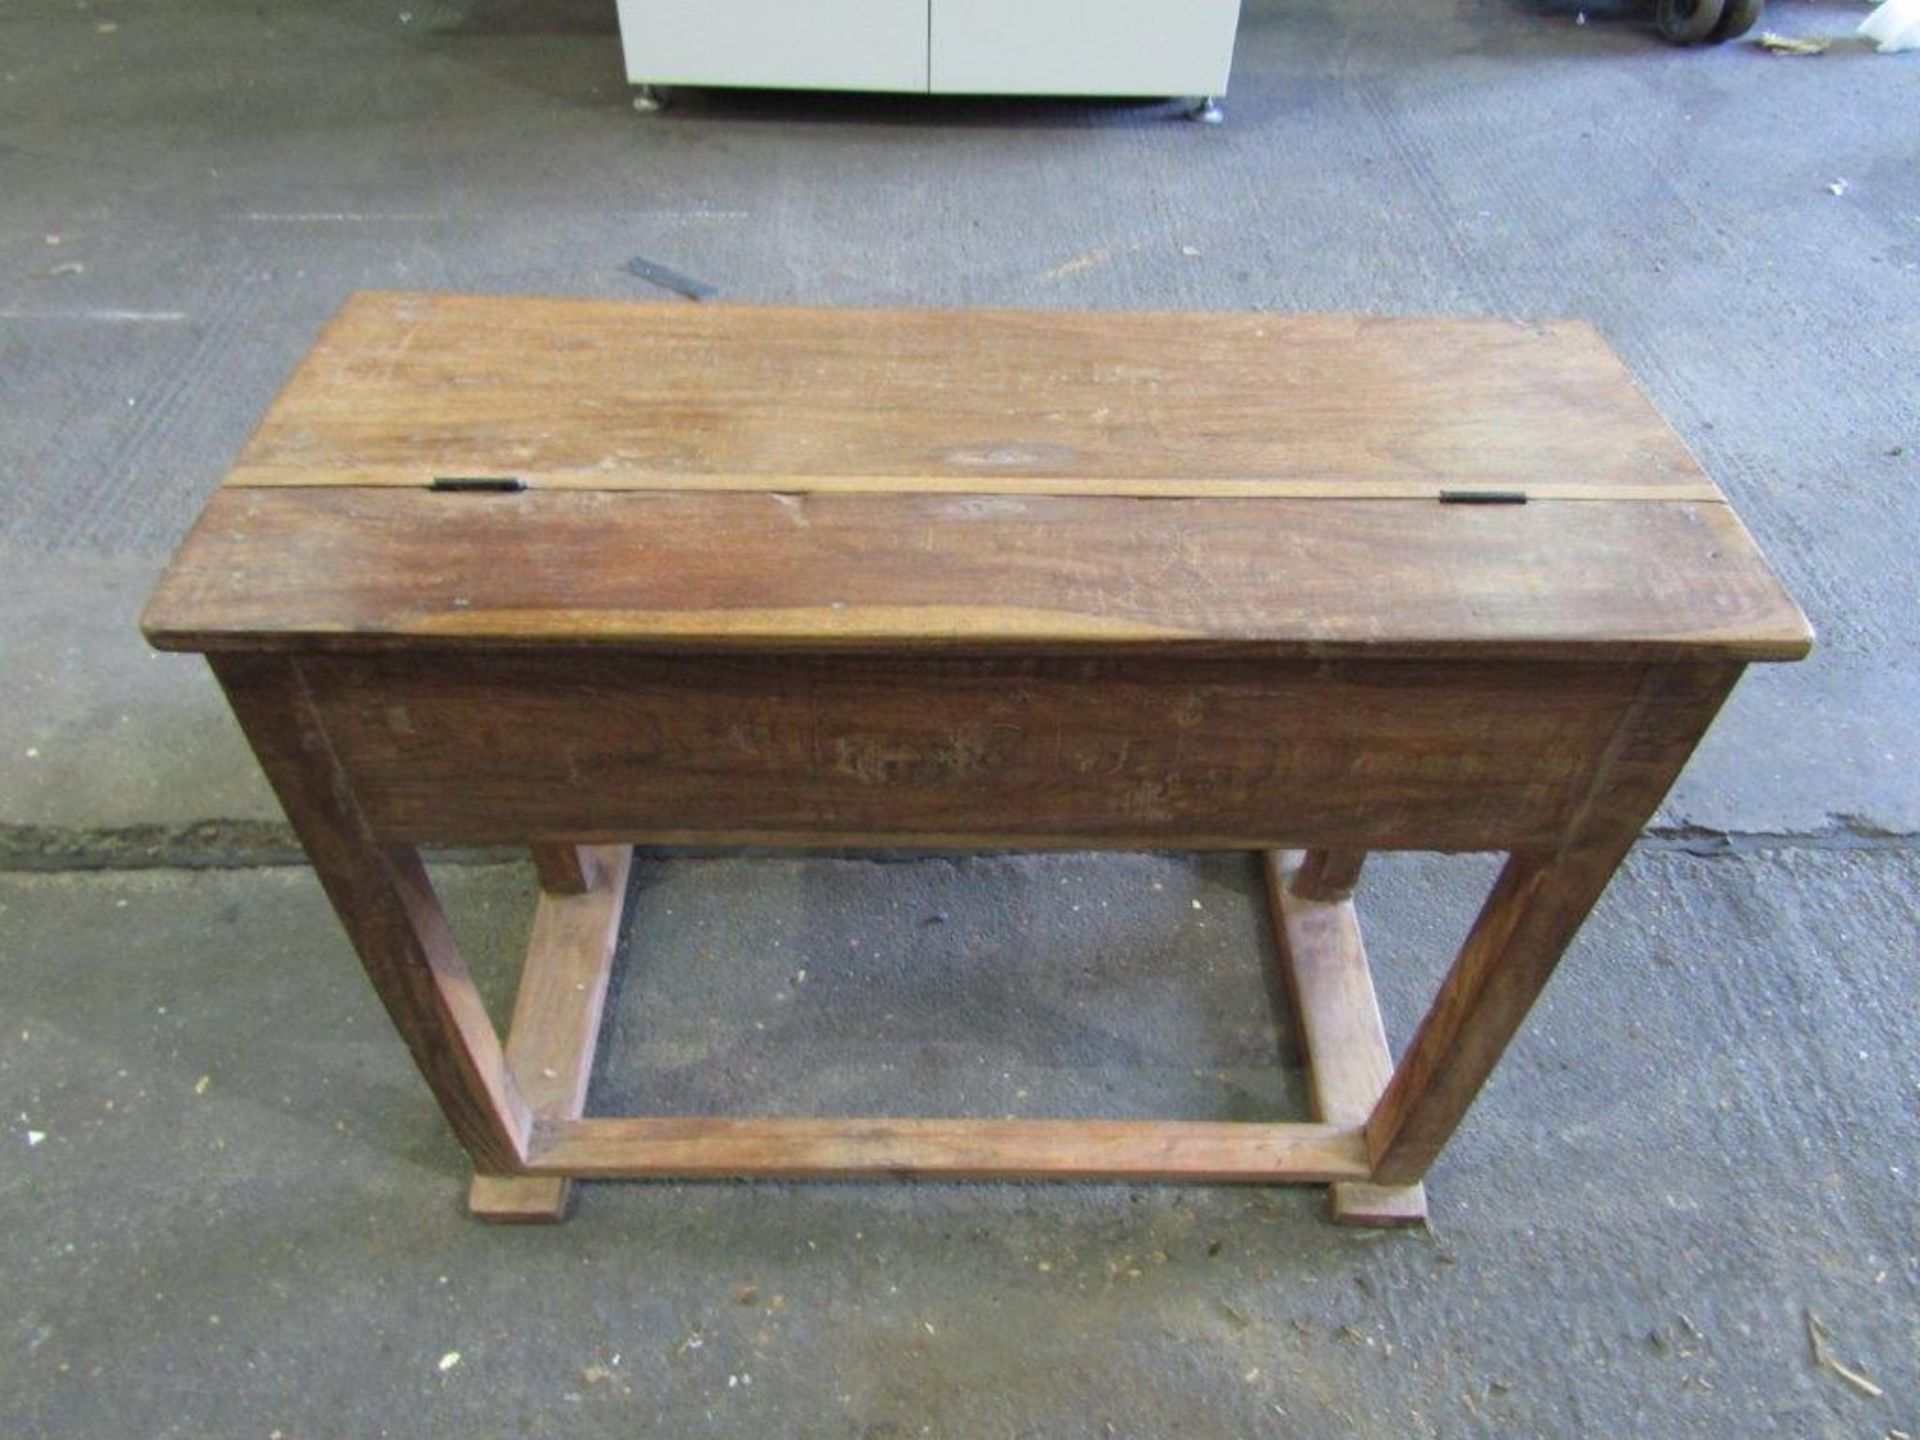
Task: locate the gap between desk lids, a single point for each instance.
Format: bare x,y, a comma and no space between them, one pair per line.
1449,491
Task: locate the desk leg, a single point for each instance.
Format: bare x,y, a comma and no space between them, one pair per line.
1328,875
565,869
1536,908
386,904
1526,925
556,1018
1324,964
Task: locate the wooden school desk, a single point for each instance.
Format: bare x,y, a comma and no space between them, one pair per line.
573,575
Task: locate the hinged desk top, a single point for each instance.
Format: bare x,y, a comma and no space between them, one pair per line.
716,477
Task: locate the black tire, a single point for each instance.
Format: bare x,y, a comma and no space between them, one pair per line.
1737,19
1687,22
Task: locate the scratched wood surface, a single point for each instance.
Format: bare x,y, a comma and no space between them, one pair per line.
1221,1151
609,395
356,569
849,470
1116,753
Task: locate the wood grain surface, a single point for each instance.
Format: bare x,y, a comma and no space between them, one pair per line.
402,387
506,748
728,478
1323,962
353,569
1535,909
556,1017
387,906
1209,1150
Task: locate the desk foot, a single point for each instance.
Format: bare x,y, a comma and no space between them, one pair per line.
520,1199
1358,1203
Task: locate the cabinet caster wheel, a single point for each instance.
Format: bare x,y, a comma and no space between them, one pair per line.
649,101
1687,22
1205,110
1737,19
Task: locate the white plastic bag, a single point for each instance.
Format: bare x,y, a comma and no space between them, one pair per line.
1894,26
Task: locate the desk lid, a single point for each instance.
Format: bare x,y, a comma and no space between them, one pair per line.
724,476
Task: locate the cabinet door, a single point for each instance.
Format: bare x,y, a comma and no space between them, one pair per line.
791,44
1082,47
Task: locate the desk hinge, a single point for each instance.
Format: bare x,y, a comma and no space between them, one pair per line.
483,484
1483,497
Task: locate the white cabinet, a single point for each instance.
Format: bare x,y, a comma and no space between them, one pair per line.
1081,47
950,47
789,44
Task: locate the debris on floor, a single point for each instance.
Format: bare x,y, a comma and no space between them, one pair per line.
1241,1320
1817,1337
667,278
1097,256
1788,44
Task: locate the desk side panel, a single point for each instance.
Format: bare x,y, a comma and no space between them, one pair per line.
462,748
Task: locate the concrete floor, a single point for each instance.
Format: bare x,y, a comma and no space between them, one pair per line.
1710,1130
245,1215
